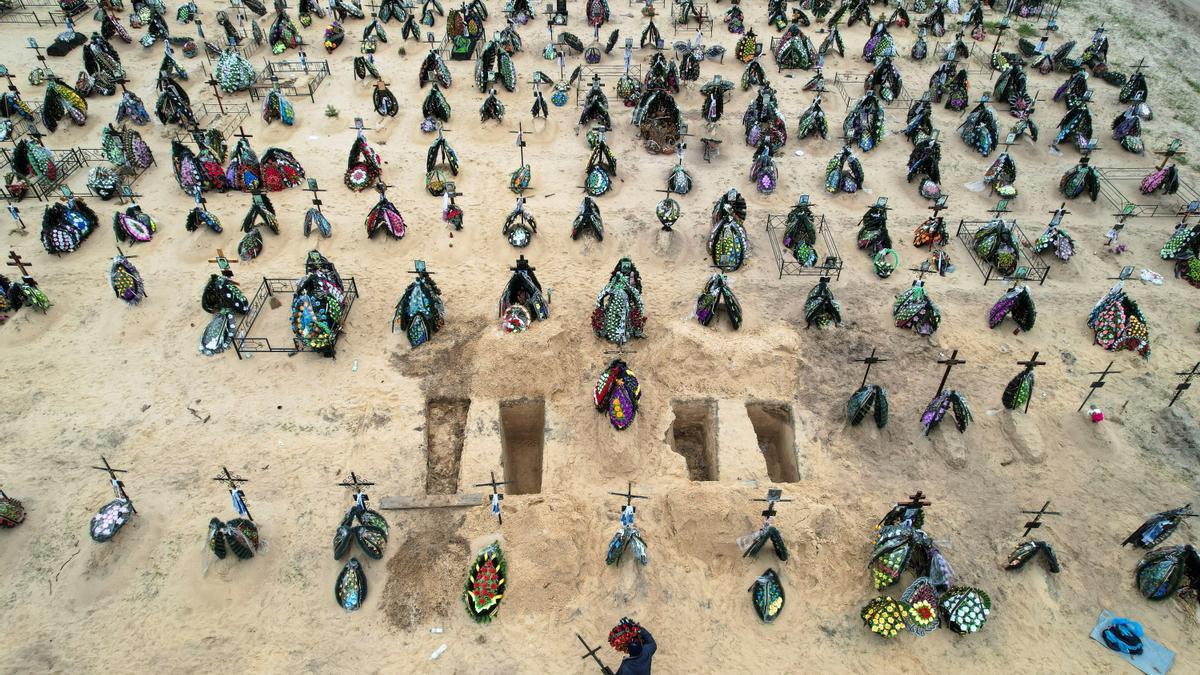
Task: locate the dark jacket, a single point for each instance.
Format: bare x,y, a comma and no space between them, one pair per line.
640,664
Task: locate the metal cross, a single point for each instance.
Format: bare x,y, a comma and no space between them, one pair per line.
212,82
236,492
520,132
870,361
774,496
591,651
118,486
949,363
241,133
312,187
497,496
629,496
1056,215
1187,376
1034,524
1098,384
1029,366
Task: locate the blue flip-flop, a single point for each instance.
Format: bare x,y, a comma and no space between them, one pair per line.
1124,636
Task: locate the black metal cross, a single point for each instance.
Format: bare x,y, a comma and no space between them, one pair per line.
949,363
1034,524
32,44
236,492
241,133
629,497
1056,215
1001,207
212,82
312,187
921,271
520,132
1000,28
591,651
357,484
1030,365
870,361
497,496
774,496
1098,384
118,485
1187,376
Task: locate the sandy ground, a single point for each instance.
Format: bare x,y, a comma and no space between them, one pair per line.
95,377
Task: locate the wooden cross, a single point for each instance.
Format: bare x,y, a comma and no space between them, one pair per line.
591,651
1190,209
1187,376
917,501
774,496
1140,65
920,272
938,206
212,82
358,125
223,264
1172,150
1034,524
497,496
118,486
312,187
239,496
1008,141
14,260
1098,384
1030,365
629,497
949,363
870,361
